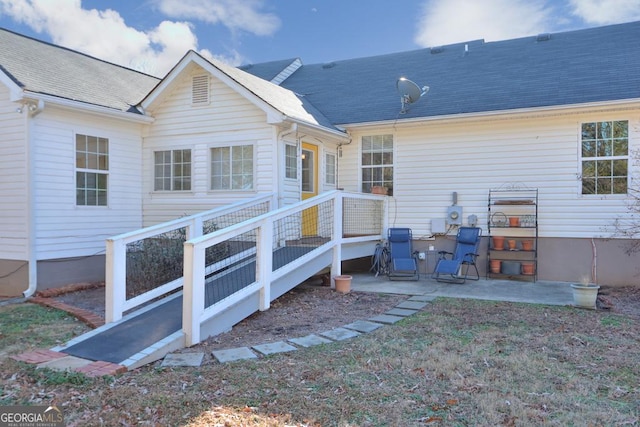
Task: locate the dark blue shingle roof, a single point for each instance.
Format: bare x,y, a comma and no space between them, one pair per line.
583,66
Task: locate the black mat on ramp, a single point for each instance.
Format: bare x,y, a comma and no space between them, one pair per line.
128,338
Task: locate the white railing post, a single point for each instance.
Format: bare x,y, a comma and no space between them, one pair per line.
194,229
192,293
264,262
115,279
385,217
336,265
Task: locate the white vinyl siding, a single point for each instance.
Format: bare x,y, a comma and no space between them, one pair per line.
471,156
228,120
13,181
64,229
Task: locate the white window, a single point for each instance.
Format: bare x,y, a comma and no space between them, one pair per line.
172,170
605,157
92,170
232,168
377,162
291,161
330,168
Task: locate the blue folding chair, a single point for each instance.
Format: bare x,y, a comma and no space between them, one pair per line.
453,267
403,263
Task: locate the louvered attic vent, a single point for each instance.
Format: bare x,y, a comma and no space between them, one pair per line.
200,90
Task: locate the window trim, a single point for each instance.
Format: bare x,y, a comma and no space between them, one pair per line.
253,168
88,170
295,158
334,164
582,159
171,176
390,165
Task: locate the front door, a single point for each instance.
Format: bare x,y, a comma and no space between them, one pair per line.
309,188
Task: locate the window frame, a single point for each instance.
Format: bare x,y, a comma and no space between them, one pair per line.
384,139
600,143
293,165
171,169
230,162
330,172
99,171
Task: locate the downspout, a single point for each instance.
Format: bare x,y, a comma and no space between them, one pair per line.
32,258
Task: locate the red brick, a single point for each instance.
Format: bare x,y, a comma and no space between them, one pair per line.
99,368
38,356
86,316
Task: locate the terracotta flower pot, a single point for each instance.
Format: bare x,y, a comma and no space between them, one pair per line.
527,245
494,265
527,268
512,244
377,189
514,221
498,243
343,284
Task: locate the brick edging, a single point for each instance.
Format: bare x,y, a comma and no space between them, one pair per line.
88,317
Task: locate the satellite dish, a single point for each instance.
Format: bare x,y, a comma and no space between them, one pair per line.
409,92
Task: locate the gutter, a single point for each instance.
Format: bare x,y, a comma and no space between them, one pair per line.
626,104
89,108
336,133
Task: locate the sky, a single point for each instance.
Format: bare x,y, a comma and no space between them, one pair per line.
152,35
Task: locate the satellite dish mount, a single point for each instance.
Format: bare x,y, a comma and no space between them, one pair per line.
409,93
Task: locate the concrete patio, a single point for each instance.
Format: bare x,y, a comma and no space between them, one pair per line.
540,292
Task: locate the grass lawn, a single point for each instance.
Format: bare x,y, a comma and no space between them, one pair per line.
458,363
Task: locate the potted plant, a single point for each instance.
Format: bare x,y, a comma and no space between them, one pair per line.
585,293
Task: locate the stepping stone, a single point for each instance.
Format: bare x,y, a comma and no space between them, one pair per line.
386,319
233,354
401,312
363,326
340,334
274,347
423,298
67,363
309,340
412,305
183,359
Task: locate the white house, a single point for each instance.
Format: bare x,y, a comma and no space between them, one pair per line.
89,149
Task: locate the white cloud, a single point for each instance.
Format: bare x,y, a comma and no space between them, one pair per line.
606,12
453,21
235,14
105,35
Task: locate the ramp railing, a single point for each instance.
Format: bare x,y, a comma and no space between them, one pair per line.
270,246
146,264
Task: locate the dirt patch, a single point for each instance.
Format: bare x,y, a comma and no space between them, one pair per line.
623,300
